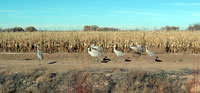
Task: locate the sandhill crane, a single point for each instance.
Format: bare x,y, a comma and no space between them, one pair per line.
40,55
135,48
118,53
98,48
150,53
139,47
94,53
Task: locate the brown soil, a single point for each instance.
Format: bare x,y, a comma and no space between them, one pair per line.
26,61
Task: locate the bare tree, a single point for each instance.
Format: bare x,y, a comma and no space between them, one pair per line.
96,28
194,27
91,28
15,29
1,30
170,28
190,28
30,29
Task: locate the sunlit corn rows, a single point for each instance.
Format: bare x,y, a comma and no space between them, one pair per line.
51,42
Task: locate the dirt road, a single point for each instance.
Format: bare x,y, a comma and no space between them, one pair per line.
15,62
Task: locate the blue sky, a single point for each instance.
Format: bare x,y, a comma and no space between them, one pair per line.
74,14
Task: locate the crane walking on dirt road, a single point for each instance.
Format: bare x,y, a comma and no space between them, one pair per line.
150,53
117,52
137,48
40,55
120,53
94,53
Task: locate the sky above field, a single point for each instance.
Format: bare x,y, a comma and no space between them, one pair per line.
74,14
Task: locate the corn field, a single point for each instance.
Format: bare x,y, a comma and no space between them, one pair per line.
51,42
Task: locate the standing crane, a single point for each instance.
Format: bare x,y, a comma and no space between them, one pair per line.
149,52
39,54
94,53
117,52
137,48
152,55
120,53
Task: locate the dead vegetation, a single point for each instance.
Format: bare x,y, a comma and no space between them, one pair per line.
51,42
99,80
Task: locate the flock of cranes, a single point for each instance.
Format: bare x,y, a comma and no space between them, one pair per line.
96,51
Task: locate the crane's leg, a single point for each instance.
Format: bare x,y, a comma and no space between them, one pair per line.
97,60
39,62
137,58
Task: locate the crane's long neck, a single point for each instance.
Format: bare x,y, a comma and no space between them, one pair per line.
115,48
147,49
89,49
137,44
38,50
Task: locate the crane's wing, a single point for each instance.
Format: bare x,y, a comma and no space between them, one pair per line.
119,53
134,48
140,48
152,54
98,48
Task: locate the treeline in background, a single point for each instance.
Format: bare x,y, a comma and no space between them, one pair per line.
193,27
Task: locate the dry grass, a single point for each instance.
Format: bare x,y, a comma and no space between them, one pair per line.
50,42
95,81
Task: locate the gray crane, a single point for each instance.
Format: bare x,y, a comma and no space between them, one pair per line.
137,48
94,53
117,52
150,53
39,54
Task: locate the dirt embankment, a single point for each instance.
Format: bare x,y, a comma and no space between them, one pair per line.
96,81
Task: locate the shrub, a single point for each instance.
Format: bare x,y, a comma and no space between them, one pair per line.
1,30
30,29
170,28
194,27
96,28
15,29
